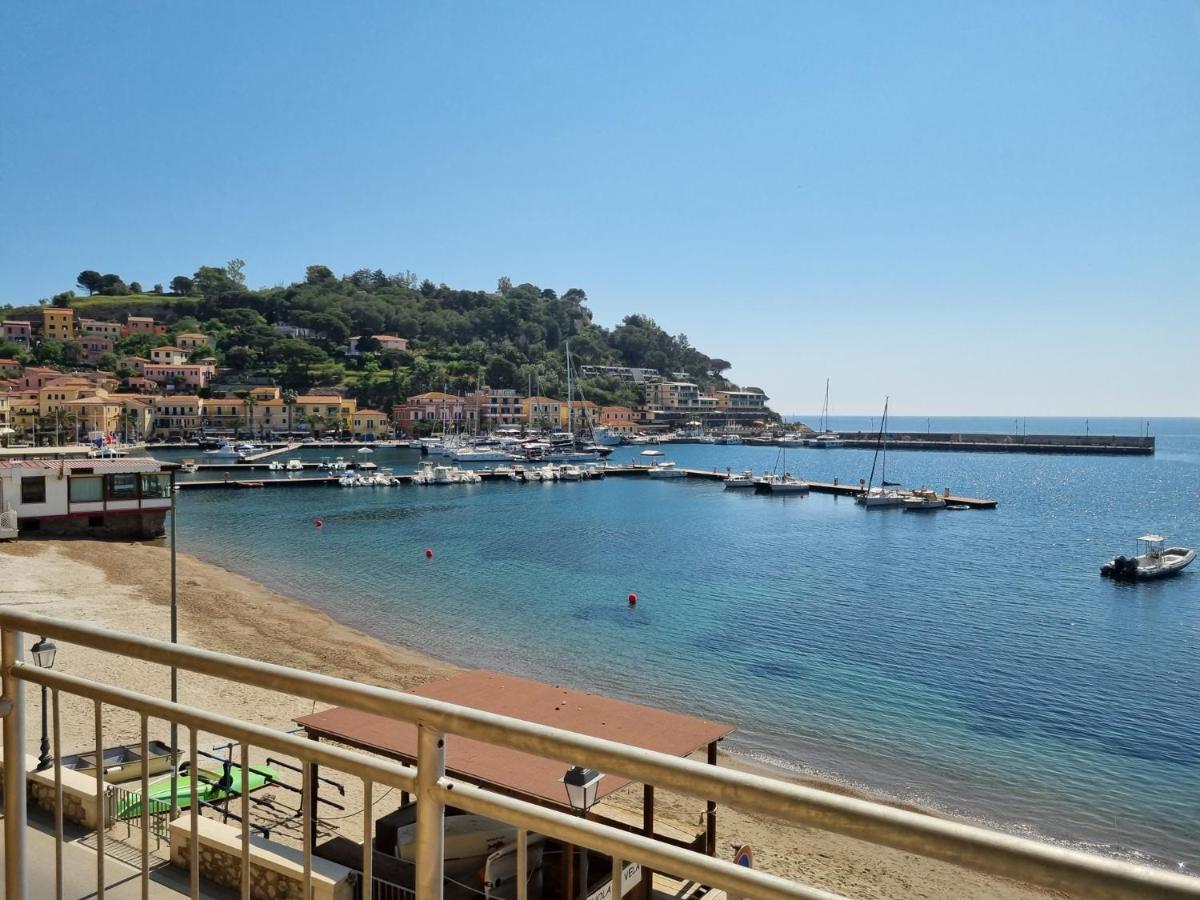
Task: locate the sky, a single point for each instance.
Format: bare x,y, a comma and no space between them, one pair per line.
975,208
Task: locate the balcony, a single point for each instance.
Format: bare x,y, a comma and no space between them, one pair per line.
41,862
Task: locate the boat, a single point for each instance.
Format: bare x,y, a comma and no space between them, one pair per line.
211,785
188,466
665,469
294,465
124,763
481,454
275,466
569,473
739,480
923,499
1152,559
224,451
885,495
825,439
605,436
781,484
729,439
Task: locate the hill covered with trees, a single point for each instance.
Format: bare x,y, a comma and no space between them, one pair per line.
513,337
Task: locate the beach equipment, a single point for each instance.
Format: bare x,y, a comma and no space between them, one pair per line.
211,785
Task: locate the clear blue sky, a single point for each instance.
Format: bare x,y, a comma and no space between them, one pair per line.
988,208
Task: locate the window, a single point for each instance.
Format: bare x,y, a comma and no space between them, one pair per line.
86,490
33,490
121,487
156,485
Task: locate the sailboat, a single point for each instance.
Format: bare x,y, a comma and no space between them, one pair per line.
884,495
826,439
780,481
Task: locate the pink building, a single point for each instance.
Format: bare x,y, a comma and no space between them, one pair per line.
95,346
180,378
21,332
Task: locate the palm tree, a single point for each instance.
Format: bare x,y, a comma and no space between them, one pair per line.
249,402
314,421
289,400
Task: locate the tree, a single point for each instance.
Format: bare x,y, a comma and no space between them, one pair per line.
50,352
112,286
289,400
717,366
319,275
157,289
235,269
314,422
503,284
62,300
240,358
135,287
182,285
89,280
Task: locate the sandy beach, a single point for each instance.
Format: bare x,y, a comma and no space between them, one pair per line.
126,586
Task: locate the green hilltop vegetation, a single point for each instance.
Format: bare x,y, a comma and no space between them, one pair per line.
512,337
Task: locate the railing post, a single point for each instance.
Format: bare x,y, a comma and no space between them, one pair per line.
431,766
11,653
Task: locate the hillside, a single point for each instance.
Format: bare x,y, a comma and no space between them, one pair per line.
513,337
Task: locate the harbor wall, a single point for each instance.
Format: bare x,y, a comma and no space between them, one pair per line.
1007,443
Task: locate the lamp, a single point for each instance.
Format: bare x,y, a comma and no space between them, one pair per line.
581,787
581,794
43,653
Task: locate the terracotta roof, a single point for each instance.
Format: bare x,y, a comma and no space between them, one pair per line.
532,701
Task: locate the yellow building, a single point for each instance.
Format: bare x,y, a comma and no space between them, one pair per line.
58,323
585,412
178,416
96,414
371,421
542,411
54,395
24,410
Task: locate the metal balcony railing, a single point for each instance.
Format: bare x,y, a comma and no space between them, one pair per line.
1058,868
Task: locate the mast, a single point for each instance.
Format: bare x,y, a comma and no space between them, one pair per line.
883,438
570,407
825,409
879,442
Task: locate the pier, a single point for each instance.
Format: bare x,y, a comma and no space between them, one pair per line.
1074,444
837,488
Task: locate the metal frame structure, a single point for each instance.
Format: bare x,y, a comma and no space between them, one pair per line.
976,848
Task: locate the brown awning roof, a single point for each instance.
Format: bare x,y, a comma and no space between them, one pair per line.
532,701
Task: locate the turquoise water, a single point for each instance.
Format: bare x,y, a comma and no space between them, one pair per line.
971,661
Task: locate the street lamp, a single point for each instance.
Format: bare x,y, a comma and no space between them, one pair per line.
581,786
43,656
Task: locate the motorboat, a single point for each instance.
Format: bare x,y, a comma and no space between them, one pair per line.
826,440
275,466
294,465
729,439
224,451
569,473
480,454
661,469
605,436
1153,559
189,467
781,484
739,480
923,499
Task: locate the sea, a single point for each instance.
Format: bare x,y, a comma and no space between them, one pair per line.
972,662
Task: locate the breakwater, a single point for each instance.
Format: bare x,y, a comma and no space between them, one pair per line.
1107,444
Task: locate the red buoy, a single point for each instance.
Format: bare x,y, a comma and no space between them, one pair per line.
428,553
633,599
320,522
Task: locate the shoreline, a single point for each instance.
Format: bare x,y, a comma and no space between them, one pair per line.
126,584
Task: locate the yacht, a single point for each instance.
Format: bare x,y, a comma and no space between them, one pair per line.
781,484
1153,559
884,495
665,470
226,450
188,466
605,436
826,439
879,497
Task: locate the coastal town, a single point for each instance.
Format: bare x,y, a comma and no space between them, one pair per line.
179,393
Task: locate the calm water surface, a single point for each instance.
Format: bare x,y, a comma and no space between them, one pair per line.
972,661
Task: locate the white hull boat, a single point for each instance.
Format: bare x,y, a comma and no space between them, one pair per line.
923,499
880,498
781,484
739,481
1154,560
665,470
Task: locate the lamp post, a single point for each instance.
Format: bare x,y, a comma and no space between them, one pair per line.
581,786
43,655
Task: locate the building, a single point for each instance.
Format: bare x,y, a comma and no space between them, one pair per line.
493,407
4,426
116,498
541,412
294,331
95,346
142,325
134,363
190,340
182,378
34,377
58,323
578,414
618,418
96,326
178,416
371,423
96,414
748,401
18,331
169,356
628,374
432,406
386,342
672,395
10,368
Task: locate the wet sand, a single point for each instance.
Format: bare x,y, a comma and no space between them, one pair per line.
126,586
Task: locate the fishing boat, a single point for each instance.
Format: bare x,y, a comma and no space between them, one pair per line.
211,785
923,499
885,495
1153,559
124,763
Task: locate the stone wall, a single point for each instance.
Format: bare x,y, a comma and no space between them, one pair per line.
79,793
276,871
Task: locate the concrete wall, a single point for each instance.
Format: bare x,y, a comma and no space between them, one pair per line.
79,793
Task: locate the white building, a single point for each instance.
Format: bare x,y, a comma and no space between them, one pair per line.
106,498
